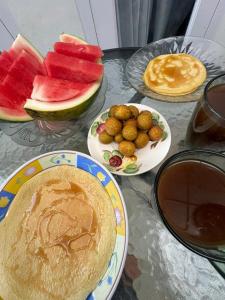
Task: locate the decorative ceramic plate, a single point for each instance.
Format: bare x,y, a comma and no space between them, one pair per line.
107,285
210,53
144,159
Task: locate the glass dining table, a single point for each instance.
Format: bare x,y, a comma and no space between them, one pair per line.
157,265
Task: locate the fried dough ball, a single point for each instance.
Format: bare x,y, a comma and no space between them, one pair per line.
147,112
113,110
155,133
113,126
134,111
118,138
127,148
105,138
141,140
122,112
144,121
129,132
143,131
131,122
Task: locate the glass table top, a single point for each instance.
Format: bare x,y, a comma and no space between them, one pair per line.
157,266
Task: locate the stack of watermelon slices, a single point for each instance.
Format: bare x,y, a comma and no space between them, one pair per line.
59,87
18,68
74,76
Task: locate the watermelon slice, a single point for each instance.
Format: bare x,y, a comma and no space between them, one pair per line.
22,88
5,97
6,55
63,110
10,113
5,64
71,86
11,105
20,44
87,52
21,72
26,60
52,89
17,71
72,68
69,38
9,97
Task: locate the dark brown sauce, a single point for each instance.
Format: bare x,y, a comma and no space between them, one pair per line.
208,122
191,195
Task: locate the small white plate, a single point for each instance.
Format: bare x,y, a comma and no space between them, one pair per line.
144,159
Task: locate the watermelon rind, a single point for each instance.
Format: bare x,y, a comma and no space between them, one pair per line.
6,114
64,37
64,110
25,45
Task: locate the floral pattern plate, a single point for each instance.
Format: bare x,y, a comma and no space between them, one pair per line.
144,159
107,285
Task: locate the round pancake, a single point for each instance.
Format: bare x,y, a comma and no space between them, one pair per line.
174,74
57,238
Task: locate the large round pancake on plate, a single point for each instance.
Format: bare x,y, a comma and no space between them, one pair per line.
174,74
57,238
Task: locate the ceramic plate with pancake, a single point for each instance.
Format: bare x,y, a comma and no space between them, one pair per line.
208,53
64,227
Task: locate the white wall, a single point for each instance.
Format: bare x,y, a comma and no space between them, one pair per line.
98,18
41,21
208,20
216,30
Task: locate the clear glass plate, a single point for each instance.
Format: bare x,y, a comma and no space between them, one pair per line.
210,53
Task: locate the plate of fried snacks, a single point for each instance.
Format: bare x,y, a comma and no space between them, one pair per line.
129,139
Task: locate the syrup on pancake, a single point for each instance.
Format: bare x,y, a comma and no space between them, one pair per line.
174,74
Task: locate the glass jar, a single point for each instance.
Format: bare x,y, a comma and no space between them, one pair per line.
207,125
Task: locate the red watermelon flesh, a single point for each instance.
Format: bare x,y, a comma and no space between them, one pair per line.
9,97
6,55
72,68
53,90
14,113
28,61
3,73
21,72
20,87
5,101
87,52
5,64
11,105
21,44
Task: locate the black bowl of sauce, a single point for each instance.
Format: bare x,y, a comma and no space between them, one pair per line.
189,191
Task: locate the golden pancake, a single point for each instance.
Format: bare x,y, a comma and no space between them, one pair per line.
174,74
57,238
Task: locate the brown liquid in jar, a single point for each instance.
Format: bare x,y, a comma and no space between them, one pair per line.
191,195
208,122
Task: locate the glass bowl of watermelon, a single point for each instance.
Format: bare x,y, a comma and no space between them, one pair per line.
62,86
